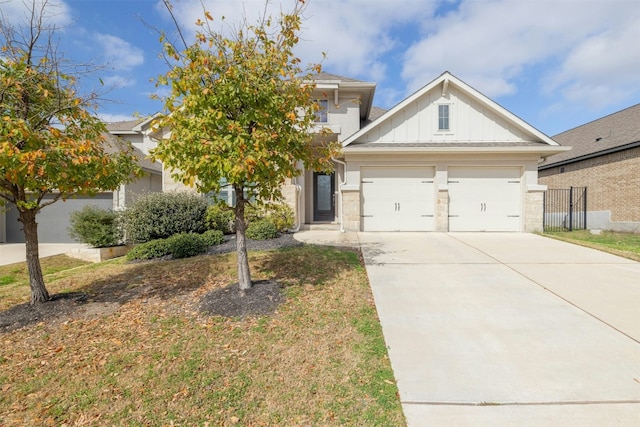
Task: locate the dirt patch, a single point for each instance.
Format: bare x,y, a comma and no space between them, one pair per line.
263,298
60,308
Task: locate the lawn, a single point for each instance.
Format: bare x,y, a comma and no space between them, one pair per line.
137,351
622,244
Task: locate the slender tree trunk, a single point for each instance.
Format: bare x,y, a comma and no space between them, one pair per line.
244,275
39,292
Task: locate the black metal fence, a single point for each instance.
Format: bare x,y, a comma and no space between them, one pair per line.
565,209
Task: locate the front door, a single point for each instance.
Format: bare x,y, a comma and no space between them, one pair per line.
323,196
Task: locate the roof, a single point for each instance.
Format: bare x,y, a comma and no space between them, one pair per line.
115,143
124,126
445,79
374,114
528,147
366,90
332,77
615,132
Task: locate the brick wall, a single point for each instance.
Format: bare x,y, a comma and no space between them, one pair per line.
612,181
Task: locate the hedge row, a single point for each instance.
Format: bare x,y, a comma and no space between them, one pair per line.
157,216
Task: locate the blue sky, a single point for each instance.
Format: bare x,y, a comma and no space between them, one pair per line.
556,64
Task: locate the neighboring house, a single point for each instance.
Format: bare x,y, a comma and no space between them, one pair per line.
53,220
606,159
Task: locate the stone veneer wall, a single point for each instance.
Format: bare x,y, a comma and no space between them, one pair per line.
442,211
289,193
351,210
533,211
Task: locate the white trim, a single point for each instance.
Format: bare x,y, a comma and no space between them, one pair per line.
452,80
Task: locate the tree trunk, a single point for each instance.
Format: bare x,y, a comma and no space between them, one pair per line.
39,292
244,275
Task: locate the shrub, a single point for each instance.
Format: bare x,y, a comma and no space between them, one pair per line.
262,229
281,215
96,227
150,250
219,218
161,215
185,245
212,237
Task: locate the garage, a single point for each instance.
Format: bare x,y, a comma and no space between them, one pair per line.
397,198
53,220
485,199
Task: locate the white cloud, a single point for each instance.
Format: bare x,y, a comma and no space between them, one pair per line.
589,48
18,12
118,82
121,54
355,34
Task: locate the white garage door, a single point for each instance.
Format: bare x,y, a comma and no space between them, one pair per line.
53,220
397,199
485,199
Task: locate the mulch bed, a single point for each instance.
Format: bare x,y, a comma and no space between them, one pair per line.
262,299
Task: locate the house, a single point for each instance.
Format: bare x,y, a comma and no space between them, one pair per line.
606,159
53,220
447,158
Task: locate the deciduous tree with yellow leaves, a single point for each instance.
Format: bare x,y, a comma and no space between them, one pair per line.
51,145
240,112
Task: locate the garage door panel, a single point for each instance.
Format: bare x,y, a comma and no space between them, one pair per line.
484,199
53,220
397,199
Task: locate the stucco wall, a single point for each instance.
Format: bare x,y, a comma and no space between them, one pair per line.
612,181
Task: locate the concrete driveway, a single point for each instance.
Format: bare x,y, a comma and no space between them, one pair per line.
16,252
501,329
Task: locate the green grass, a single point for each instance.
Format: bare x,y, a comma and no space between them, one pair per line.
155,361
622,244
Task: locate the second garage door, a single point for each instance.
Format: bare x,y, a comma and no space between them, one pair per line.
53,220
484,199
397,198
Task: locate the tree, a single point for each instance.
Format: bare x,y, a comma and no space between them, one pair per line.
240,113
50,142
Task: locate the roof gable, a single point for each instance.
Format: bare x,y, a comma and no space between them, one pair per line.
474,119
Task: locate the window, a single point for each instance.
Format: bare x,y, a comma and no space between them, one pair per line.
321,113
443,117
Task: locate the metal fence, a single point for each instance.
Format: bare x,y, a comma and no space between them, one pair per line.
565,209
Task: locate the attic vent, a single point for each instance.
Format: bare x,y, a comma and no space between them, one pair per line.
598,139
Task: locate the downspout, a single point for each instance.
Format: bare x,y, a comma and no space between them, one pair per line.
344,181
298,223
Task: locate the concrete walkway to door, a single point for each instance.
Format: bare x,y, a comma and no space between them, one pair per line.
506,329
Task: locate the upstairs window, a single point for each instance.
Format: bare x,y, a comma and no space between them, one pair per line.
443,117
321,113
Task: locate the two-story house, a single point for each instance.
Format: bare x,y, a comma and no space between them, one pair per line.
446,158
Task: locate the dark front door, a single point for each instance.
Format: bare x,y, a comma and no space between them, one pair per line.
323,200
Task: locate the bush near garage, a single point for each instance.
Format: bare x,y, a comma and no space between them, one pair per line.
161,215
279,214
96,227
262,229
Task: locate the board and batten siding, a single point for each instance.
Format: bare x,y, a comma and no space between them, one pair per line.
469,121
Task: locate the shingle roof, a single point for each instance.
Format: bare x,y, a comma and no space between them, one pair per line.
329,76
127,125
615,131
115,144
